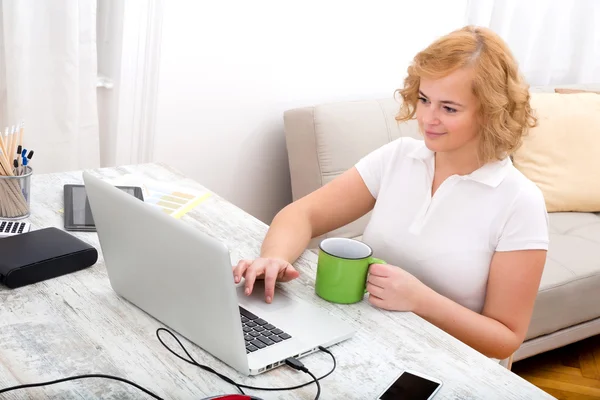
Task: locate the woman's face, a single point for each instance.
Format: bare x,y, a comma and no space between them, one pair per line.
447,113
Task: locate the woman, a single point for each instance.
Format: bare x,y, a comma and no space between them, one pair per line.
464,231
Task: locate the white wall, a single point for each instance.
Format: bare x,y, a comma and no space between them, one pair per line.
229,69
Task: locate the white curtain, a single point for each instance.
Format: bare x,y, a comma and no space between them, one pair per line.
48,75
554,41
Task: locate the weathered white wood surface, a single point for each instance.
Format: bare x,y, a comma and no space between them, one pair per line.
76,324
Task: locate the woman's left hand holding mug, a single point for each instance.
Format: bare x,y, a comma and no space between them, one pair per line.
392,288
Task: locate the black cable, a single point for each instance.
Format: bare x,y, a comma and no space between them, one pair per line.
290,362
193,361
31,385
297,364
323,349
318,384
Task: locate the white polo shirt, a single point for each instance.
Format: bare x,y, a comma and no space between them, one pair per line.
447,241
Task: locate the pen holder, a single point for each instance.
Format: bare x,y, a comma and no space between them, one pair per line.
15,194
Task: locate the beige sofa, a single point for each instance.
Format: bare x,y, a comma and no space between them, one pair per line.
327,139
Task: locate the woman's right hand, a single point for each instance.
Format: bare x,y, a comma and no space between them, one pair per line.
269,269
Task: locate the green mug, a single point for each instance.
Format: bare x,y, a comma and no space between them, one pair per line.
342,270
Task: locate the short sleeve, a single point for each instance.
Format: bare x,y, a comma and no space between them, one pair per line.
373,166
526,227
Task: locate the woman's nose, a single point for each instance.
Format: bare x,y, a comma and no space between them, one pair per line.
430,116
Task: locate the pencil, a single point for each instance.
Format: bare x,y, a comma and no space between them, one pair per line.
21,133
2,141
5,139
13,141
4,161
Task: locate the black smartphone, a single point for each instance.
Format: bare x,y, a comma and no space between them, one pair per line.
78,214
411,385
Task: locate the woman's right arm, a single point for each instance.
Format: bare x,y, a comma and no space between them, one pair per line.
334,205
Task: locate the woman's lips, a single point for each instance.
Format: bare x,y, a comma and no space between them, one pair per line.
434,135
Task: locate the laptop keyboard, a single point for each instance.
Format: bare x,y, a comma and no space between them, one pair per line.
258,333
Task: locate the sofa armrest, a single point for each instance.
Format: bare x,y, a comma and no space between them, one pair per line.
301,143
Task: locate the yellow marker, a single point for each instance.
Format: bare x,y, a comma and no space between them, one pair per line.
184,210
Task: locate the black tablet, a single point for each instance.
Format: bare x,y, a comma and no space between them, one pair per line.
78,214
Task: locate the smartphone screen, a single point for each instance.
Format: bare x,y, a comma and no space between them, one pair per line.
410,386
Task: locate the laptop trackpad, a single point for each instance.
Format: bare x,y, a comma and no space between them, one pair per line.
257,299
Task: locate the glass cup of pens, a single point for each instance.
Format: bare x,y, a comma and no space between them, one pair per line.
15,175
15,193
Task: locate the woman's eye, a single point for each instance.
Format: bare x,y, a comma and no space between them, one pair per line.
450,110
423,100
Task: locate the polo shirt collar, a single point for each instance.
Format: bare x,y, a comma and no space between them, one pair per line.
422,153
490,174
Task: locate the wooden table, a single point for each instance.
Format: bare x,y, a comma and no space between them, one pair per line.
76,324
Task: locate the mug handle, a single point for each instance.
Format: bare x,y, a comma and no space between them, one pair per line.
373,260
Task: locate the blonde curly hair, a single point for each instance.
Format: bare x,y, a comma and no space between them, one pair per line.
503,94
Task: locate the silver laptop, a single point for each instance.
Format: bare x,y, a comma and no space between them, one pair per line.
183,278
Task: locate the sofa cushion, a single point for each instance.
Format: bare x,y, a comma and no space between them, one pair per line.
569,291
561,154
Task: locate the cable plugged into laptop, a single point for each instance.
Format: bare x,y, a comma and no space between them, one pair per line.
297,365
291,362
